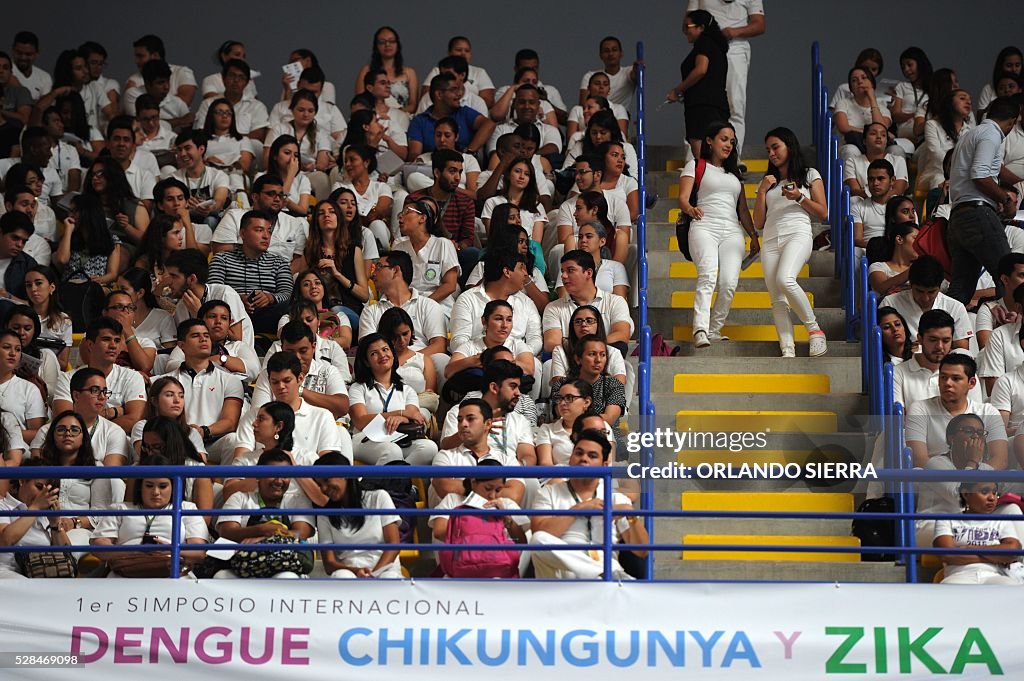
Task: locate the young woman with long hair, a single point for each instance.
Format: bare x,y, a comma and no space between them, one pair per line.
335,250
386,54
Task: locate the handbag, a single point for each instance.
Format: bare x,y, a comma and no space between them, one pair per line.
46,564
931,240
411,431
143,565
683,223
249,563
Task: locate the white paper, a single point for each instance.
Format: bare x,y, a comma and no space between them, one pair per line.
376,431
222,554
1019,217
293,70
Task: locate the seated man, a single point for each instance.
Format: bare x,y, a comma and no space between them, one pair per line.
139,351
1003,352
16,229
25,49
927,419
995,313
328,116
622,81
157,135
208,188
156,77
213,398
288,233
392,278
855,169
316,431
322,386
36,152
505,277
926,275
182,79
475,79
16,108
270,494
918,378
529,60
446,93
139,165
589,173
126,398
89,392
263,279
526,109
578,279
869,213
233,356
251,118
186,275
581,494
171,198
394,120
458,211
20,199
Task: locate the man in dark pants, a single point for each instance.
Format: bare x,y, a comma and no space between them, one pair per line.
976,236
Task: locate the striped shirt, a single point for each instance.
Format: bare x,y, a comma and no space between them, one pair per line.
268,272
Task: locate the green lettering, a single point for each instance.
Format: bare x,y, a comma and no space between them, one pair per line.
915,648
881,652
985,655
835,664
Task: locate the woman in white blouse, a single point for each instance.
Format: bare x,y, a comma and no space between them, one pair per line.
553,442
435,262
955,117
380,393
416,371
344,494
853,115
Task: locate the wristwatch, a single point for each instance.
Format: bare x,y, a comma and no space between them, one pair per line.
223,358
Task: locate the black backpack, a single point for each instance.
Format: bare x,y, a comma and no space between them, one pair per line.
876,531
403,493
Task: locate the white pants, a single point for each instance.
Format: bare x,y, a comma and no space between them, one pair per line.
392,571
966,574
782,257
381,232
231,574
736,89
419,453
567,564
718,255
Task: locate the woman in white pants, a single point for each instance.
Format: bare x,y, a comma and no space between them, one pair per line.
716,234
379,391
787,198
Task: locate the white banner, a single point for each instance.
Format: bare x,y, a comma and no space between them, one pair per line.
559,631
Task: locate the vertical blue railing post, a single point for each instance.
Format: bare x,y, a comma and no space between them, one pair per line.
863,289
849,277
606,539
909,524
823,128
179,495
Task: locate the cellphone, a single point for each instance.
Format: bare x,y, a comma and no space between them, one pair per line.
789,186
149,539
252,296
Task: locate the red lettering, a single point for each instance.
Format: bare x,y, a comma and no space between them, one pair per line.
160,637
223,647
289,646
76,643
121,641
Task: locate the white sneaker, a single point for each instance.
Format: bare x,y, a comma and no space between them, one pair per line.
700,339
716,336
788,352
818,344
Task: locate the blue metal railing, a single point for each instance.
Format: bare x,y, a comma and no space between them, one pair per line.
647,409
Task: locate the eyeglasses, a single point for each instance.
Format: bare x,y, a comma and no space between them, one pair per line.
584,171
568,399
96,391
972,432
120,307
67,430
411,209
387,41
99,173
222,112
691,26
584,321
275,195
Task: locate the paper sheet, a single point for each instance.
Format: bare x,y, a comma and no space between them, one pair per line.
293,70
376,431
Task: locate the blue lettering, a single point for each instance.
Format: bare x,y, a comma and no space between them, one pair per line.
571,657
634,649
447,645
706,646
424,646
741,648
343,643
545,651
404,644
481,648
676,655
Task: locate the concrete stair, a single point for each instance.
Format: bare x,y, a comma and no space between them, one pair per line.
807,409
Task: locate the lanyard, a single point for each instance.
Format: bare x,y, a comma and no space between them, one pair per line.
150,519
384,401
504,438
576,498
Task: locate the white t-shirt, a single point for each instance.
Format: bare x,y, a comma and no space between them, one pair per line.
1002,353
528,217
717,196
308,146
613,309
288,234
106,438
927,420
322,377
618,211
315,429
248,501
785,217
38,84
575,147
914,102
913,383
469,165
620,95
428,318
206,392
1013,156
469,308
478,79
576,113
372,532
517,431
615,365
366,201
549,134
454,500
234,302
125,385
911,311
1008,395
213,84
871,214
936,143
158,326
180,75
431,263
22,399
250,115
976,533
585,529
207,184
476,346
328,117
130,529
856,167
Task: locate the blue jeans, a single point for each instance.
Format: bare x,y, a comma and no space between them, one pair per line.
976,238
353,318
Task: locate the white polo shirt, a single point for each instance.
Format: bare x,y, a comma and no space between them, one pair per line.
125,385
140,179
431,263
234,349
517,431
911,311
857,168
163,141
469,308
585,529
250,115
158,326
106,437
206,392
476,346
461,456
1002,353
315,429
328,116
326,351
984,319
549,134
927,420
912,382
234,302
22,399
428,318
322,377
613,309
618,212
288,234
377,400
614,366
870,214
1008,395
130,529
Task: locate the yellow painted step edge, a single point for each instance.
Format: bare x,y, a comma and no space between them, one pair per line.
758,300
823,502
757,421
751,383
695,457
768,540
688,270
743,332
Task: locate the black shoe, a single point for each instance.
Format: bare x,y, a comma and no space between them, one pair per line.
651,200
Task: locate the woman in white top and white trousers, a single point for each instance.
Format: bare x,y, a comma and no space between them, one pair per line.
716,234
787,198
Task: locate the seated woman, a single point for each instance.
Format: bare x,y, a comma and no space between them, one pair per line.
166,398
553,440
980,568
598,88
313,141
87,249
335,250
344,494
481,492
166,234
955,117
348,204
386,54
896,343
18,397
310,286
379,393
283,161
38,364
602,127
139,352
416,372
506,231
855,168
226,148
435,263
891,273
520,188
163,436
29,495
374,198
610,275
446,136
55,324
326,349
854,114
148,318
585,320
497,323
149,494
125,213
68,444
589,364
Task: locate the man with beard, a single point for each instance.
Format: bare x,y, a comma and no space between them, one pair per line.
457,210
288,233
918,378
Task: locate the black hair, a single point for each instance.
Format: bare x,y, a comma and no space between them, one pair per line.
152,44
295,331
467,484
365,152
882,164
178,447
935,319
190,262
353,498
479,403
490,355
14,221
796,170
498,260
997,68
196,137
954,424
208,124
961,359
140,280
731,164
581,258
151,250
282,413
155,69
1003,109
238,65
440,158
362,371
186,325
376,62
597,437
274,455
26,38
91,235
499,371
402,261
84,456
161,187
284,361
393,318
25,311
926,271
906,352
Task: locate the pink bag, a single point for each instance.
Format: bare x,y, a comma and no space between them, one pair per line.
476,563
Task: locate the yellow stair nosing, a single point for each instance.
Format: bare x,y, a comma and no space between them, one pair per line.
816,502
743,332
688,270
758,300
751,383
